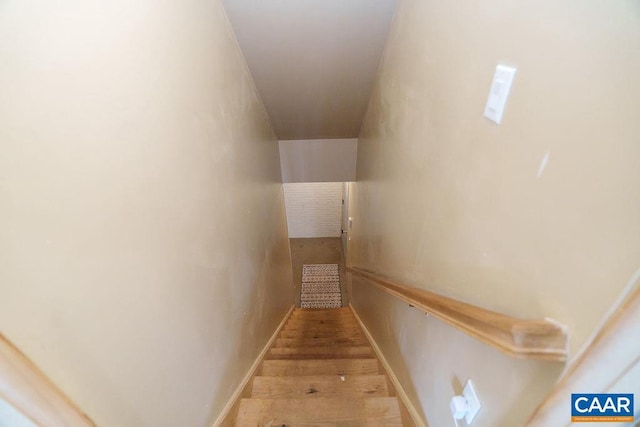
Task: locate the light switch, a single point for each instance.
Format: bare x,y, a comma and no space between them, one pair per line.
474,405
466,405
499,92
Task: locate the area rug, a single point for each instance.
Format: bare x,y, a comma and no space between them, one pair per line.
320,286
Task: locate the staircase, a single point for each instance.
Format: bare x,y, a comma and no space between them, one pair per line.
321,371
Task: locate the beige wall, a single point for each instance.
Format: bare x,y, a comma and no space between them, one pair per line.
318,160
144,259
451,202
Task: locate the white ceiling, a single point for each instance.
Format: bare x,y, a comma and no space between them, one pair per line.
313,61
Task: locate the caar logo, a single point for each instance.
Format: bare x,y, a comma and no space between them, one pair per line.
601,408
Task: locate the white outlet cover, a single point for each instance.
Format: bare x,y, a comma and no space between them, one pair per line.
499,92
473,403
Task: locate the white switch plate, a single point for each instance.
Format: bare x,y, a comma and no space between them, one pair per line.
499,93
473,404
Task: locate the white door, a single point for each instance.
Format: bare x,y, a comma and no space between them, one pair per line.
345,219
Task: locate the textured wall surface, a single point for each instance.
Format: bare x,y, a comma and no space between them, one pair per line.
144,259
318,160
535,217
314,209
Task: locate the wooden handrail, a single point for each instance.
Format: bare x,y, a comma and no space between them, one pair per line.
542,339
28,390
612,352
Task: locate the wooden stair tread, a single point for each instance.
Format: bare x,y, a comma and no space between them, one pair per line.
275,367
322,310
317,323
278,412
305,387
328,313
323,322
321,316
323,319
317,342
326,329
318,317
319,352
302,333
320,371
308,326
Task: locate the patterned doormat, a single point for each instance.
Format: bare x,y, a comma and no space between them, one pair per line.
320,286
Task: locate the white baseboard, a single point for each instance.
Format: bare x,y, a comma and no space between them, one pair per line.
235,397
402,395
